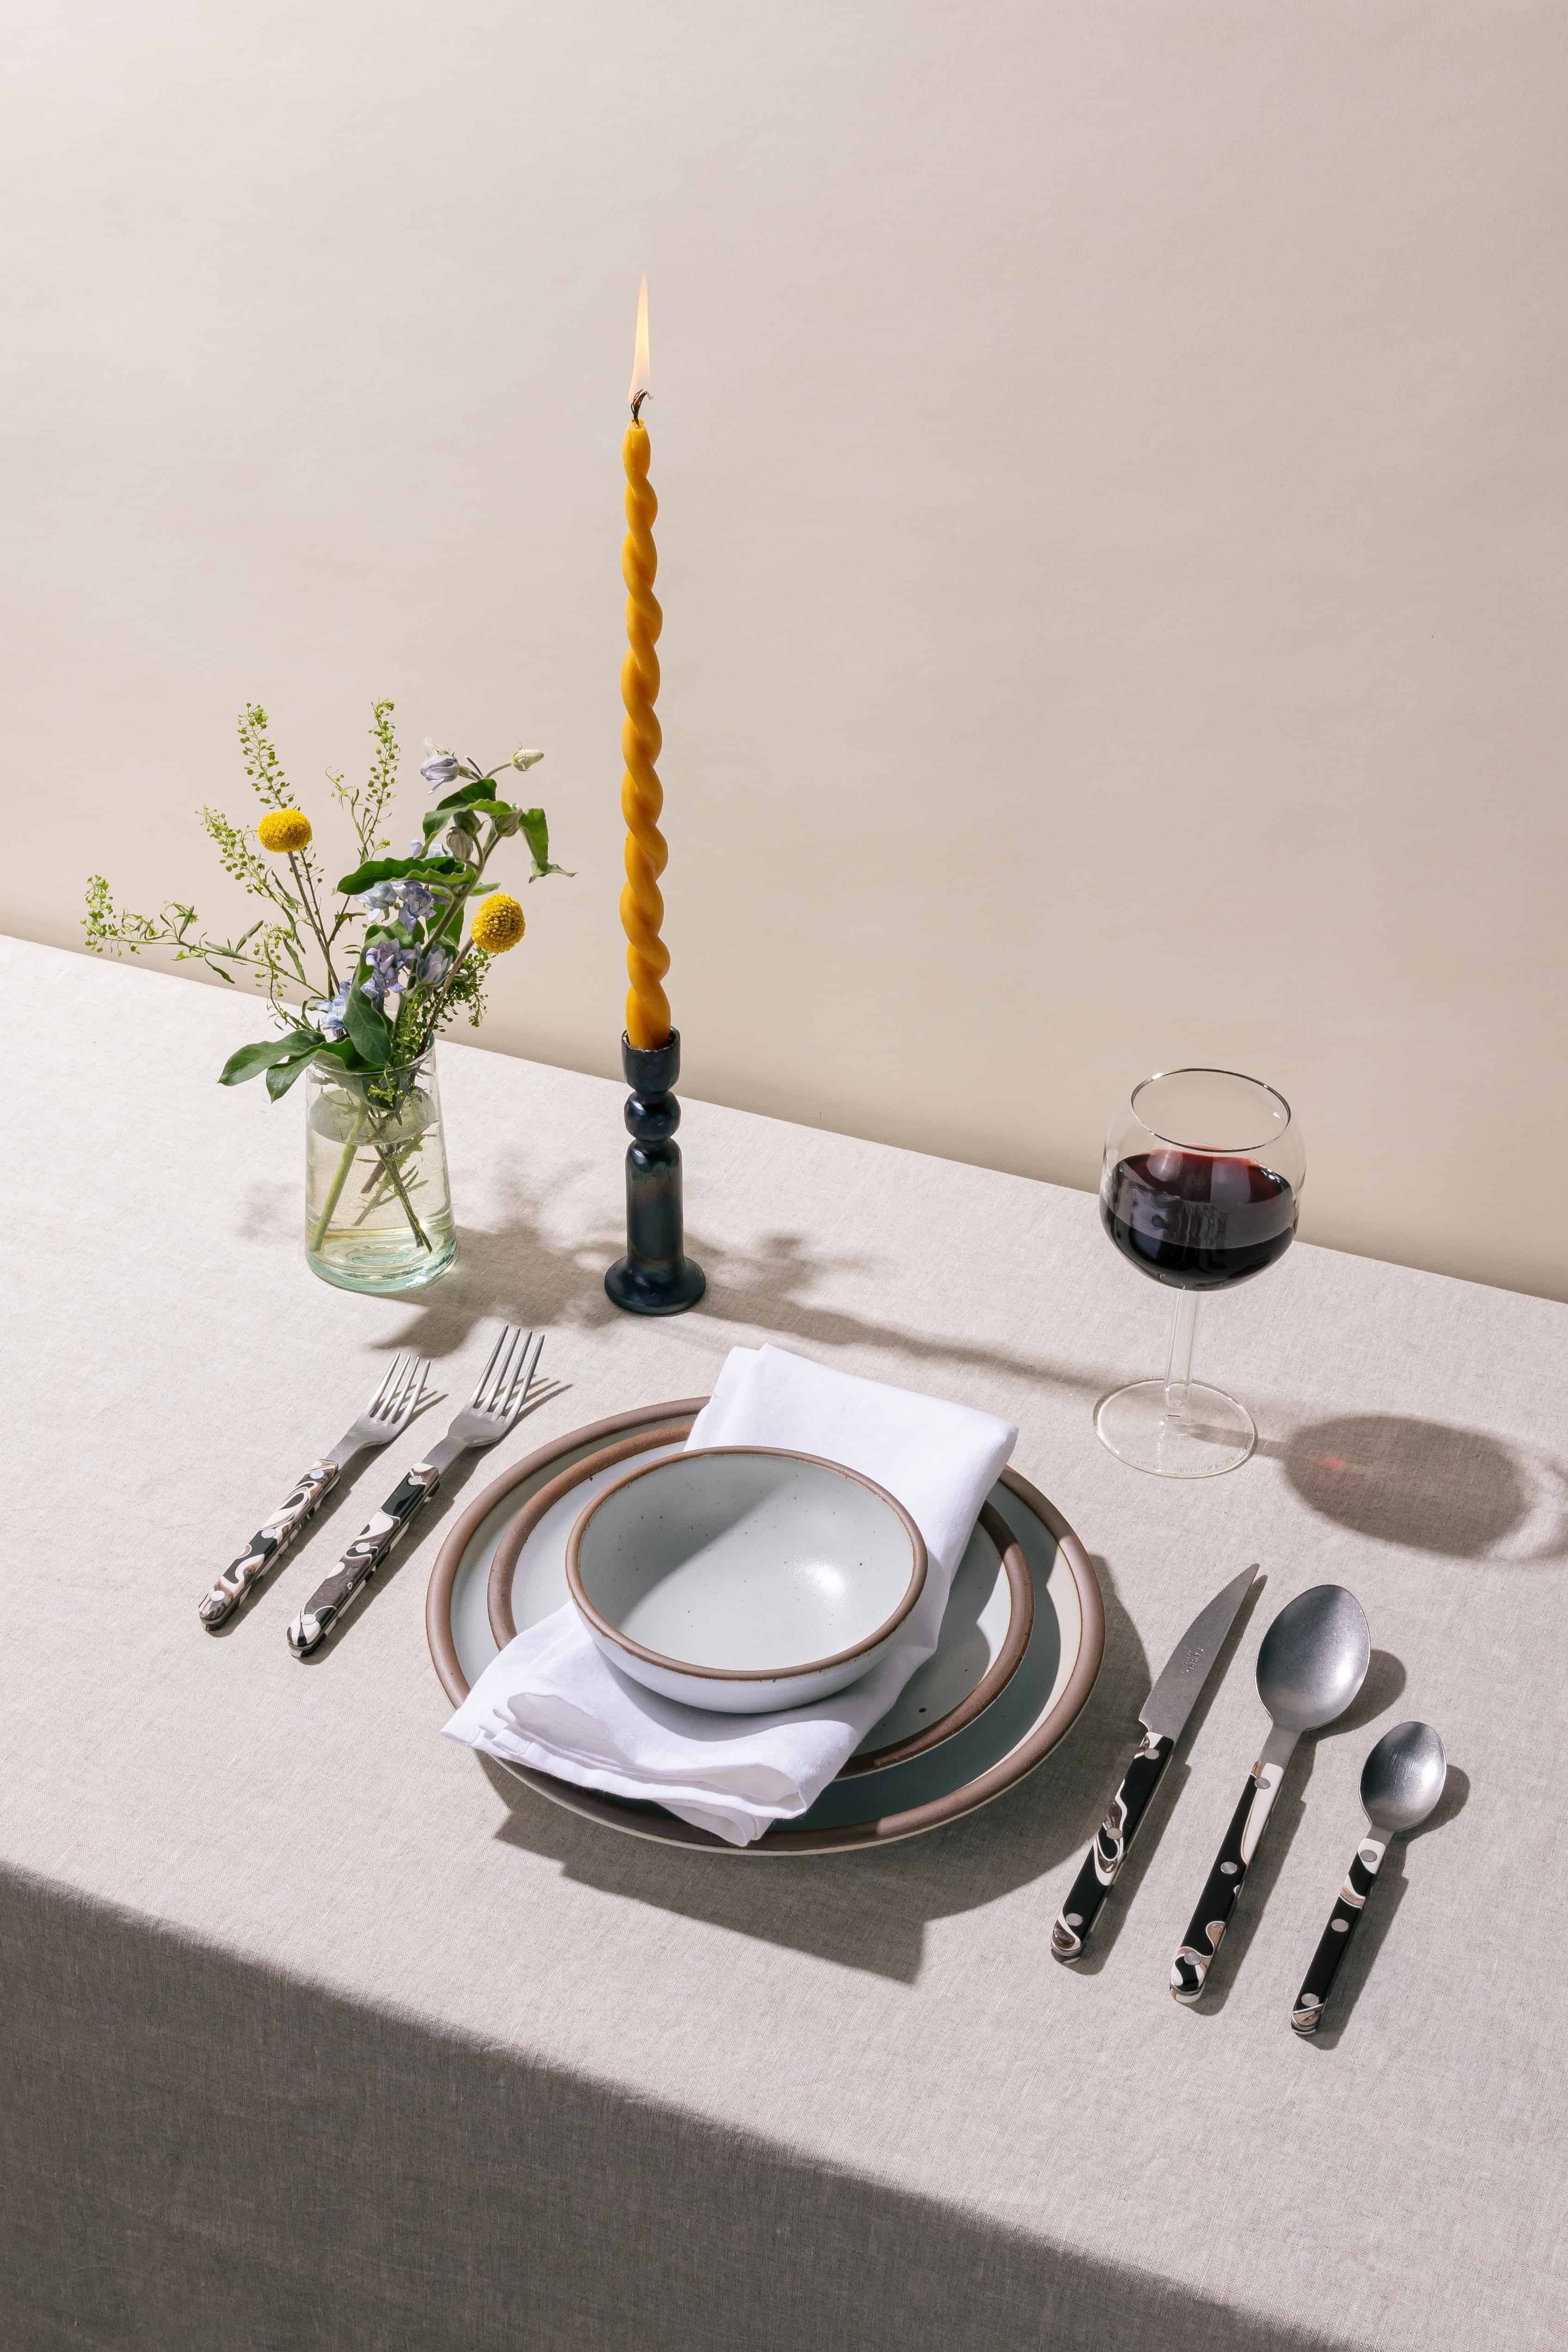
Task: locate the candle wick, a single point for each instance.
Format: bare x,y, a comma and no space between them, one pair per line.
637,405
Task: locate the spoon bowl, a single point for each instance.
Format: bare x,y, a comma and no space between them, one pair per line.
1314,1658
1402,1778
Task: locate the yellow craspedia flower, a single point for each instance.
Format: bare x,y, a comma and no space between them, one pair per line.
282,829
499,924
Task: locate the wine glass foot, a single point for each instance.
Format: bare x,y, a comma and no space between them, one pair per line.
1212,1435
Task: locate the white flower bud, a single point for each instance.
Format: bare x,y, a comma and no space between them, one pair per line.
526,759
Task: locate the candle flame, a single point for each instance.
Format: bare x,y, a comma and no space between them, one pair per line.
640,390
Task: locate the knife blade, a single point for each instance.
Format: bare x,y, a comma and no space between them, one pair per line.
1164,1716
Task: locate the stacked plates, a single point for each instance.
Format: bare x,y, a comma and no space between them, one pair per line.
1021,1644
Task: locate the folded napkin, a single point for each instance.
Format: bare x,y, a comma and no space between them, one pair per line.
551,1700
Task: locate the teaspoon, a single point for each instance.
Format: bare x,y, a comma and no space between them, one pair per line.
1313,1663
1401,1782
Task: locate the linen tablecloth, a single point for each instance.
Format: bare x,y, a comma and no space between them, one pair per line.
318,2030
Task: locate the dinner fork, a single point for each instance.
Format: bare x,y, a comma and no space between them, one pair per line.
388,1412
498,1399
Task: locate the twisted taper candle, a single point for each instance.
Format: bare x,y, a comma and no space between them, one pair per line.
642,795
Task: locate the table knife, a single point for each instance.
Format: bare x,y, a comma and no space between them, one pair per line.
1164,1716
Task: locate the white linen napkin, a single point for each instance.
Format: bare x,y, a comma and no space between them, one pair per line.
552,1700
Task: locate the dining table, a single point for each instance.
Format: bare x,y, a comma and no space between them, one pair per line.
321,2029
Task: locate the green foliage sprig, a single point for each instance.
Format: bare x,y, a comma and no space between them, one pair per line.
366,971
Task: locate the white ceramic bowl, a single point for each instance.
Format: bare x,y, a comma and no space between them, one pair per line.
741,1579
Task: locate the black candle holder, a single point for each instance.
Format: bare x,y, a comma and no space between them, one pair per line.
656,1276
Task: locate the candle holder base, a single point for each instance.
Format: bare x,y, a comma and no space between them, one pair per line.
643,1294
656,1276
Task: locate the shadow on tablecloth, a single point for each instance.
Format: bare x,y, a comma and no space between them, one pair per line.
518,1269
195,2151
871,1909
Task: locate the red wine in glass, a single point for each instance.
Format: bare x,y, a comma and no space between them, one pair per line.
1197,1220
1200,1187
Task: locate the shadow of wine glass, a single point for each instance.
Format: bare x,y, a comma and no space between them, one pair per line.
1457,1492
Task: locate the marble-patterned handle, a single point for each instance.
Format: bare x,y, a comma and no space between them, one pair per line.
1102,1863
1308,2013
268,1544
1190,1968
363,1558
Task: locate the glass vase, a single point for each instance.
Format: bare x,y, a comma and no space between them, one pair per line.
378,1206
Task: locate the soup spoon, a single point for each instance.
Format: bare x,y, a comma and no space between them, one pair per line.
1313,1663
1401,1782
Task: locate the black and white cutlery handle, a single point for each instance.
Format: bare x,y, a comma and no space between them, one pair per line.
363,1556
1190,1968
1308,2013
268,1544
1102,1863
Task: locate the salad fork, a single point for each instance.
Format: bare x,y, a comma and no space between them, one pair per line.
388,1412
498,1399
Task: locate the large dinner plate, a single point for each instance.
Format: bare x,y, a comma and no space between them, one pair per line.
1016,1711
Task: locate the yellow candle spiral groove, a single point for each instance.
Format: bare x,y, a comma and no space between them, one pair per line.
642,795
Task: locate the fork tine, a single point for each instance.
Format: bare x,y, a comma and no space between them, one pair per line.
523,1379
393,1405
379,1400
415,1386
498,1386
503,1369
484,1376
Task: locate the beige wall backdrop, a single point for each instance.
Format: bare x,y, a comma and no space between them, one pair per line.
1112,462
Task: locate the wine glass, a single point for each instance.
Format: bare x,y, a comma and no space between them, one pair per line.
1200,1188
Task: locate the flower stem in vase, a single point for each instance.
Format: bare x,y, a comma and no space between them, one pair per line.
335,1193
389,1163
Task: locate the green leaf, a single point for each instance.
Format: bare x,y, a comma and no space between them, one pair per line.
478,802
395,869
252,1059
343,1049
367,1026
283,1074
468,795
536,833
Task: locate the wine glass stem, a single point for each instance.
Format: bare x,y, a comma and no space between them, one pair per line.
1179,1364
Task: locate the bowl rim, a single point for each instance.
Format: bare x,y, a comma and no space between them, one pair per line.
601,1624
